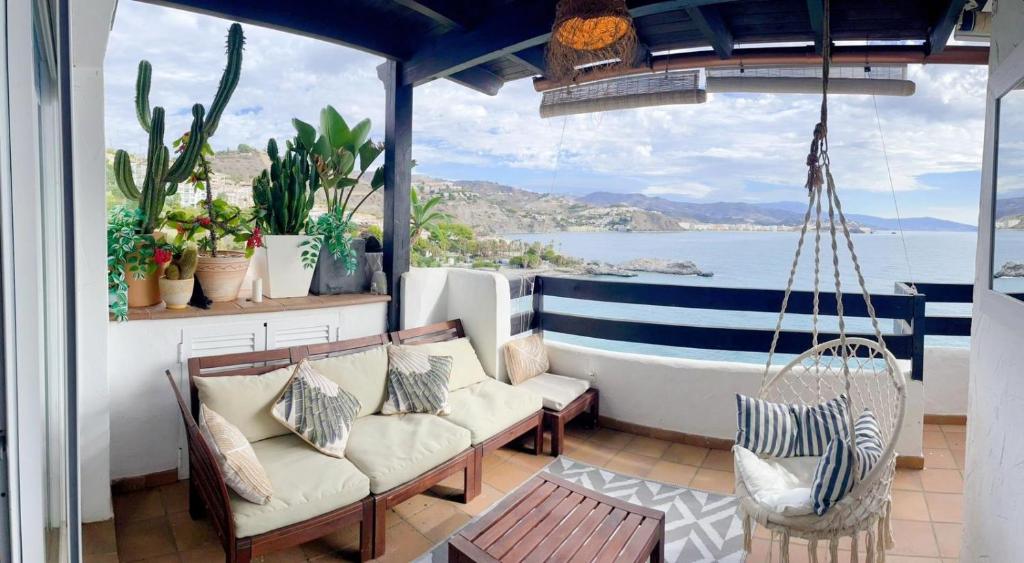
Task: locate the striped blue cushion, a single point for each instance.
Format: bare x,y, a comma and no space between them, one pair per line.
764,427
818,424
834,478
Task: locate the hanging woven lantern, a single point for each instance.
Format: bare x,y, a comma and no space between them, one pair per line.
588,32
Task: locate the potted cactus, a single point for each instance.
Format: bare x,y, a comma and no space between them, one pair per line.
342,156
283,196
177,283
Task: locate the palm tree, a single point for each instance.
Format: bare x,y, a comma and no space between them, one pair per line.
422,217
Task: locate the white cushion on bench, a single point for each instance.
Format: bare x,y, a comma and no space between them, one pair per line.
306,483
395,449
466,366
363,374
782,484
245,400
557,391
488,407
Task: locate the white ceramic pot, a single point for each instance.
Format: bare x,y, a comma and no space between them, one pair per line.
279,264
176,293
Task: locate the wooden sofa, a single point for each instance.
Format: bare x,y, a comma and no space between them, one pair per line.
208,493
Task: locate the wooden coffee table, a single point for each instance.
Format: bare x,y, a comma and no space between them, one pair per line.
551,519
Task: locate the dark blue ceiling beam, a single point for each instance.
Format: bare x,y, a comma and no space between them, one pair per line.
534,58
329,21
445,12
512,28
815,11
478,78
939,34
709,21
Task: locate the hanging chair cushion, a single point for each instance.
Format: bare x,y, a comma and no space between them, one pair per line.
818,424
834,476
764,427
781,485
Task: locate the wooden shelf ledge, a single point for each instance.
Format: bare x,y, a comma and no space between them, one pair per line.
243,306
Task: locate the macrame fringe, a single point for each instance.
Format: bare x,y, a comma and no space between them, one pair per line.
784,546
812,551
886,532
853,549
869,557
747,534
833,550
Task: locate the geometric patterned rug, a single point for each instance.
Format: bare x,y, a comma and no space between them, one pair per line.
700,527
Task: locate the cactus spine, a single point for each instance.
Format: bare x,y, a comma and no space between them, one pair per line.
284,194
162,176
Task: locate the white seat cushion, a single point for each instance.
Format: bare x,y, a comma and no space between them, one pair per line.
306,483
556,391
781,484
488,407
395,449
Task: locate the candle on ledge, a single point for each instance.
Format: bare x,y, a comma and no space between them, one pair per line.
257,290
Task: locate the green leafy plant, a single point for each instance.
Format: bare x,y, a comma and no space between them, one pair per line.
336,232
284,194
423,217
130,252
217,220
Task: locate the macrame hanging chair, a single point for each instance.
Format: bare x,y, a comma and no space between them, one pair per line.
861,368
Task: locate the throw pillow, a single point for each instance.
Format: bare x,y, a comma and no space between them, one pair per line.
242,472
834,477
764,427
818,424
317,410
417,382
526,358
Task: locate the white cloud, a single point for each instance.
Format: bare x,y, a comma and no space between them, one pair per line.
686,189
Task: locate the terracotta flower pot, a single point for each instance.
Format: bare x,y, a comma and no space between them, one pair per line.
176,293
279,264
222,277
146,292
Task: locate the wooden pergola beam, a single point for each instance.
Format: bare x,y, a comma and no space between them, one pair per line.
397,183
709,21
533,58
444,12
939,34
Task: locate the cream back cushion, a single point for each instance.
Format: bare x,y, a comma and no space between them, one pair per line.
364,375
466,367
525,358
245,401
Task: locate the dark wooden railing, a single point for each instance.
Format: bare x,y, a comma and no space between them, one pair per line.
907,311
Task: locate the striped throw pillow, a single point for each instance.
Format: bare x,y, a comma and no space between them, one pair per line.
242,472
818,424
765,428
834,477
417,382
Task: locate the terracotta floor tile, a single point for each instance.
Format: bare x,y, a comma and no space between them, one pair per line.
651,447
138,505
290,555
945,507
444,528
890,558
719,459
203,555
175,497
487,497
914,538
954,428
942,480
956,440
611,438
961,459
587,453
531,462
405,543
939,458
907,480
429,517
932,428
416,505
506,477
191,534
714,481
169,558
672,473
948,536
99,538
934,439
909,505
100,558
630,463
346,538
141,539
685,454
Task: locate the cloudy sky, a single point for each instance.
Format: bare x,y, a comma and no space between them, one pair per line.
733,148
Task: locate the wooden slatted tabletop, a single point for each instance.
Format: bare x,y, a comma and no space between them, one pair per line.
551,519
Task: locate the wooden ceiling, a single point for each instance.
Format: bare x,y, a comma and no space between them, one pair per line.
484,43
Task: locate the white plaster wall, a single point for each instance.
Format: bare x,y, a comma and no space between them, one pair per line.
146,433
945,380
993,488
690,396
90,27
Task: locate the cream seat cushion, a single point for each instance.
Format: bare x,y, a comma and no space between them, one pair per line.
783,484
466,366
245,400
363,374
557,391
306,484
395,449
488,407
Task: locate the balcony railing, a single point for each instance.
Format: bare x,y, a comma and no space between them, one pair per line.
905,308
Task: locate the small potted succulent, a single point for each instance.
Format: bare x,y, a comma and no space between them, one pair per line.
283,196
220,272
177,283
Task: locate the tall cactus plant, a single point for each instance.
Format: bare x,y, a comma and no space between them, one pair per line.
284,194
162,177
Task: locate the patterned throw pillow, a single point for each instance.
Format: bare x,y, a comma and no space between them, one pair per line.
417,382
526,358
317,410
242,471
818,424
764,427
834,477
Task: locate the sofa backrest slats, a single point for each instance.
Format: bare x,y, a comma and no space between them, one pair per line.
437,332
204,471
340,348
